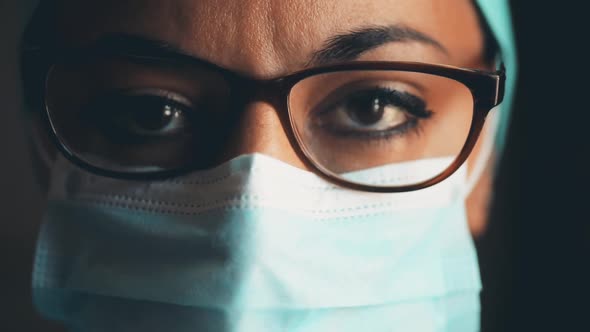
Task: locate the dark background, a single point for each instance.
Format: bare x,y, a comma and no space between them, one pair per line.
534,258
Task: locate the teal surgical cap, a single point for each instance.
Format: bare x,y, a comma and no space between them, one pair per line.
497,15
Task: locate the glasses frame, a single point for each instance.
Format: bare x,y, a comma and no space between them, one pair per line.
487,89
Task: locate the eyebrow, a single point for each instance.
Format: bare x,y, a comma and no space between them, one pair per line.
339,48
136,45
349,46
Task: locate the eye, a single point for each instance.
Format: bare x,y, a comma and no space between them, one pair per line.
140,115
373,112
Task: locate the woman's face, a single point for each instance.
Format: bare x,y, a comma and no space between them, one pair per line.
271,38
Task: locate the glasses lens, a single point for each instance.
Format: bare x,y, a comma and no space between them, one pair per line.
136,117
381,128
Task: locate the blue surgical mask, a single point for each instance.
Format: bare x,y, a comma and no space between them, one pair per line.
256,245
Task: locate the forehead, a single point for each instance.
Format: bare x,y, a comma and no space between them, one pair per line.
270,37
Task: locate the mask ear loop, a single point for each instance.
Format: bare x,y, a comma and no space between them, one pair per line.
485,152
489,139
42,151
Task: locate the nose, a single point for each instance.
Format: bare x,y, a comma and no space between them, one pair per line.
262,128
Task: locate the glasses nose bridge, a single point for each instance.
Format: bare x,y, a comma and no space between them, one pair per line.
273,92
263,122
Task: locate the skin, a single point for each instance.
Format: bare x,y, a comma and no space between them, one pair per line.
270,38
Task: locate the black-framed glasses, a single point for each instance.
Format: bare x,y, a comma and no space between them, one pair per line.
373,126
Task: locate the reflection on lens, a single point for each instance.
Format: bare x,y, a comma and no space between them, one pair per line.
381,128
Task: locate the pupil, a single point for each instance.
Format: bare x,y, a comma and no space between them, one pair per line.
367,111
154,117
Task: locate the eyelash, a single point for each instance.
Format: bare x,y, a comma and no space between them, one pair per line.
412,105
413,125
101,109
